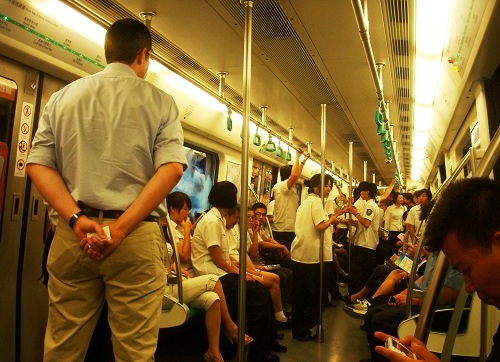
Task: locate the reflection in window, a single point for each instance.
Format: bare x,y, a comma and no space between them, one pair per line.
197,179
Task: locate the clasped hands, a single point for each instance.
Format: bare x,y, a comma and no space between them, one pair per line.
93,240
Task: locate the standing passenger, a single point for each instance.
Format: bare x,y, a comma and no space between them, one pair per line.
108,150
312,219
366,241
286,202
393,225
413,221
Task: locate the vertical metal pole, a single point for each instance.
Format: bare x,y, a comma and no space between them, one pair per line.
373,178
320,335
247,76
350,236
365,169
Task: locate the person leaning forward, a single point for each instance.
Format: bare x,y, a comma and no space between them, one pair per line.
113,142
473,251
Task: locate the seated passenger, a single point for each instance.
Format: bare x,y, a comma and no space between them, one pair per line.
386,317
269,280
473,250
210,255
202,292
385,274
266,242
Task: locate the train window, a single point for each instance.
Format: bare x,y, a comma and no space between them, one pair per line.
198,178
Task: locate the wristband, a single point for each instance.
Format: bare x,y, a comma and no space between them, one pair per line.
75,216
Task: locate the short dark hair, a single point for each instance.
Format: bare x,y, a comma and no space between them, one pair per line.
285,172
176,200
223,194
408,196
469,208
124,39
233,210
372,189
315,181
259,205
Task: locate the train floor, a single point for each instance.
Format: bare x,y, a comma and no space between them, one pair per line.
344,341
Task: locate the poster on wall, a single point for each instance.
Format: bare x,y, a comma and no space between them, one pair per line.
234,175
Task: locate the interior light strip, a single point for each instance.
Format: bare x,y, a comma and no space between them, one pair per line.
41,36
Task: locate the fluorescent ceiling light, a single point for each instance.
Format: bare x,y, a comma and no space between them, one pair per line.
71,19
431,28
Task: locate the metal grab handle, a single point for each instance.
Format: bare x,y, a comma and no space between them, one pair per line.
16,205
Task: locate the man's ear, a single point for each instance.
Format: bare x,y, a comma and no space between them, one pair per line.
496,238
142,56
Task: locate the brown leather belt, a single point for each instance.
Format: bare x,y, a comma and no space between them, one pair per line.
113,214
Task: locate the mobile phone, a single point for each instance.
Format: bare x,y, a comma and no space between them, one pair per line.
392,300
393,345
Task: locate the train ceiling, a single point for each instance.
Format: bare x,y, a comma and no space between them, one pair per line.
304,53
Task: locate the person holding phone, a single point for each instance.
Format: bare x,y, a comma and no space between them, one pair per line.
473,251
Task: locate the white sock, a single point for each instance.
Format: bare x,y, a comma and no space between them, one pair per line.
280,316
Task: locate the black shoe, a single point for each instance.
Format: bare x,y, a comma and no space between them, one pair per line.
280,335
284,325
347,299
278,348
306,337
337,297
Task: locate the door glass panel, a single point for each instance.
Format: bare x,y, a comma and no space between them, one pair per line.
8,93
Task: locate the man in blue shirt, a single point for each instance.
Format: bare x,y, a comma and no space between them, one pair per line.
108,150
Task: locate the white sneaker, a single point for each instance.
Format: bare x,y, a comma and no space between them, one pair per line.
349,310
361,305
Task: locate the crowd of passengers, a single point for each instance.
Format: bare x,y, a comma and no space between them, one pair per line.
281,263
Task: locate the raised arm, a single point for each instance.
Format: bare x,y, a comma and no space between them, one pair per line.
388,191
296,169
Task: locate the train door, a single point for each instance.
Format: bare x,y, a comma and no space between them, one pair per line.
23,301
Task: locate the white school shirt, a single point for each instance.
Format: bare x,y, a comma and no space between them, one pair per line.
210,231
305,246
286,203
393,218
368,237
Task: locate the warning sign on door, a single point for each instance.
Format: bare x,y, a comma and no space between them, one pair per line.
24,139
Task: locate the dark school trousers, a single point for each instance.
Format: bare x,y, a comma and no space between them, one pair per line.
305,298
362,265
285,238
259,313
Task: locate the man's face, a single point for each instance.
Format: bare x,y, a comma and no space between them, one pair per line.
260,215
232,220
480,269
